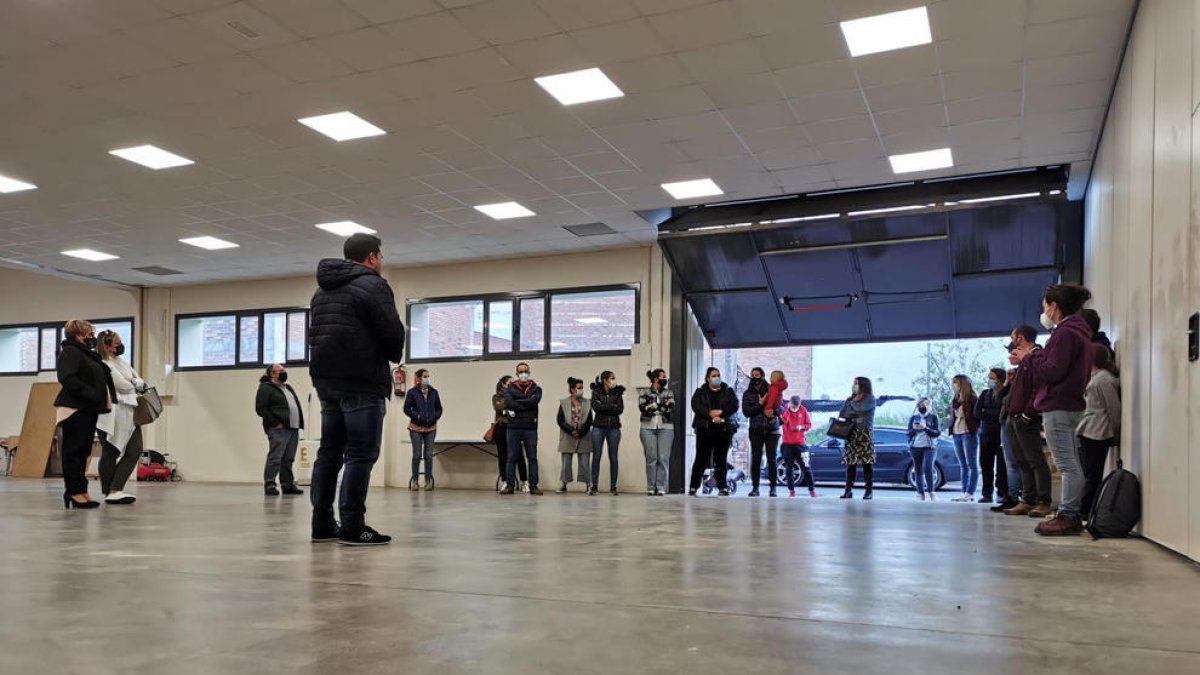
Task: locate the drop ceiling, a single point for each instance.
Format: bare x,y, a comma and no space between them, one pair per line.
758,95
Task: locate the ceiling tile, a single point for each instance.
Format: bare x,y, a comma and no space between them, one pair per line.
312,18
996,106
706,25
911,119
907,94
616,43
301,62
817,78
433,35
502,21
983,80
834,105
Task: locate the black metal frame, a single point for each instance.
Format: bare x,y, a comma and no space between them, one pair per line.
57,327
238,315
515,297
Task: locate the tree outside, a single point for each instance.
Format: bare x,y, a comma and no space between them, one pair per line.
973,358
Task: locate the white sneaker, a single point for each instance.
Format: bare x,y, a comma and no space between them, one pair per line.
119,498
525,488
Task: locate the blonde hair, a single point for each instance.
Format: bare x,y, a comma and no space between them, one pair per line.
78,327
777,372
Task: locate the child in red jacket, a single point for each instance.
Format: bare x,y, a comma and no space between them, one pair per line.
774,398
796,422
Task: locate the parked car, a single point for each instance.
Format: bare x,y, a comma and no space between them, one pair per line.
893,463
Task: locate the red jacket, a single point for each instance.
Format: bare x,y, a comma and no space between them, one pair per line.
775,395
793,420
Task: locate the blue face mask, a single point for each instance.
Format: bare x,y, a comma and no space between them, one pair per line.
991,384
715,381
429,382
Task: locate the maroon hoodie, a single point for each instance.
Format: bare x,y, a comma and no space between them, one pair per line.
1063,367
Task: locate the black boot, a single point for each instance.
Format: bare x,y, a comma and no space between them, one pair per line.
848,494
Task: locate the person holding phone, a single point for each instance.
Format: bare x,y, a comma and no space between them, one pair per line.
923,432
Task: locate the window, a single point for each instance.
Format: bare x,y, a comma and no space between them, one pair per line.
49,358
587,321
19,349
26,350
447,330
242,339
597,321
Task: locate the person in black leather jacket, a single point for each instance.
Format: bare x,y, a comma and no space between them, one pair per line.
608,403
354,334
521,400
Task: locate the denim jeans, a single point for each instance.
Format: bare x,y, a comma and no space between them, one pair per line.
1060,428
521,440
422,449
657,443
923,468
599,436
351,429
966,447
1010,463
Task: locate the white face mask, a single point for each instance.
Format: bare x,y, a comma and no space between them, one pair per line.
1046,322
524,377
428,381
854,389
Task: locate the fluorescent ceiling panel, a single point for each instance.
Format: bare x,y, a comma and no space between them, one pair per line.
8,185
885,32
89,254
151,157
344,228
208,243
504,210
690,189
342,126
922,161
591,321
580,86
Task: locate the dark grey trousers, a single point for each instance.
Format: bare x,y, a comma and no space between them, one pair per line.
117,466
280,456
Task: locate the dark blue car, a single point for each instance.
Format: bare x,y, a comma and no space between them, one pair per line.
893,463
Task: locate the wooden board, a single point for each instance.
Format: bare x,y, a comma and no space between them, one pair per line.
37,431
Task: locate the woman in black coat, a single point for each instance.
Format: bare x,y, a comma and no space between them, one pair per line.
87,392
714,405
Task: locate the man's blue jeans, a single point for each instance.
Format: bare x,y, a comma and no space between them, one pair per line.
351,429
521,440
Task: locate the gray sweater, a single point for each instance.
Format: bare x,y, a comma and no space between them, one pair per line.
1102,418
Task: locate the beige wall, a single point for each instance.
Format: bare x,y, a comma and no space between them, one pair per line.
1143,242
38,298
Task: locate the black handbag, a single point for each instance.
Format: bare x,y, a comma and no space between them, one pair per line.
840,427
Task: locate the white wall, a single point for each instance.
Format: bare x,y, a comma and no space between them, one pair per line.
37,298
1143,242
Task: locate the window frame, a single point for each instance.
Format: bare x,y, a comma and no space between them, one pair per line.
516,354
238,315
57,327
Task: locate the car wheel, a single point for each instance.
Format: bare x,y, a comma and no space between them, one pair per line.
781,472
732,485
910,476
938,478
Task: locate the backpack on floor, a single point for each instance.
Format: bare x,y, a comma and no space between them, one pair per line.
1118,505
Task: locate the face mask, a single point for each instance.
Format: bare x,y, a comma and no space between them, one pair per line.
715,381
90,343
1046,322
991,384
662,382
578,393
922,410
119,351
283,376
795,405
855,389
429,382
524,377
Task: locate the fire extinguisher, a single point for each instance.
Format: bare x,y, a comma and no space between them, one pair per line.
400,380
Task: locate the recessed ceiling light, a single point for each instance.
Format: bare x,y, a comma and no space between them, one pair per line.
342,126
150,156
689,189
591,321
89,254
580,86
922,161
8,185
208,243
1000,198
344,228
504,210
885,32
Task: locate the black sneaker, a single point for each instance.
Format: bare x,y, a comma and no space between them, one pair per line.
753,493
723,493
326,533
271,491
364,537
691,492
292,490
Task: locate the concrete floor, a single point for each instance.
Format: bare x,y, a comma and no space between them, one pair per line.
214,579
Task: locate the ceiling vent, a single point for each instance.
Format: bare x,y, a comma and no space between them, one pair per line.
157,271
589,229
243,30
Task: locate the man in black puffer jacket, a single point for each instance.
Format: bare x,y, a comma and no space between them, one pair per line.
354,334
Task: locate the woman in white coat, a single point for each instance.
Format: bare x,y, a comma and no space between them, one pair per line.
120,438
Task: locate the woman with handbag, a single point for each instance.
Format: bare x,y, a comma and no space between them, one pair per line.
499,433
574,435
87,392
120,437
859,410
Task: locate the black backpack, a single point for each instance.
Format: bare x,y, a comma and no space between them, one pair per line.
1118,505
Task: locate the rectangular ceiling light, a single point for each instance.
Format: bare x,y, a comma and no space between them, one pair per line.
152,157
922,161
580,86
999,198
885,32
690,189
8,185
89,254
342,126
344,228
591,321
208,243
504,210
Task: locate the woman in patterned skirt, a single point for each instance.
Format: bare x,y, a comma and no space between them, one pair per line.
860,448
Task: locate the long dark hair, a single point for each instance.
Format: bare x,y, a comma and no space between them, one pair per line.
267,375
502,383
598,385
864,386
1103,360
1070,298
708,374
